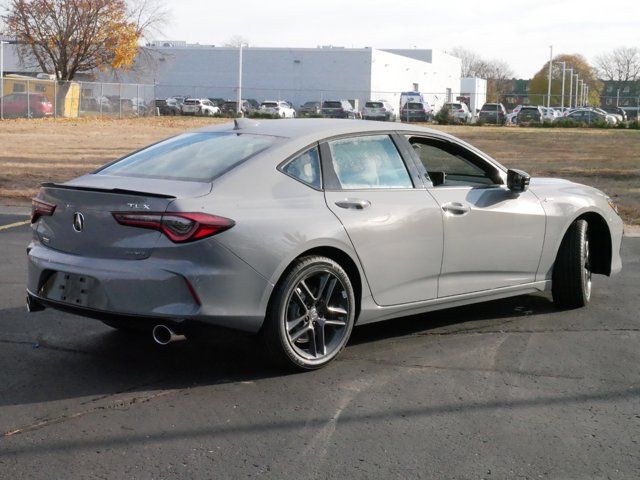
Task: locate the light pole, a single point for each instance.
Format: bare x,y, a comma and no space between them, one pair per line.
239,97
2,42
564,71
570,86
550,65
576,99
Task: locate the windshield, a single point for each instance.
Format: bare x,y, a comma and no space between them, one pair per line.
373,105
200,156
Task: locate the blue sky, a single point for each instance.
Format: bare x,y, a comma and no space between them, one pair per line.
515,31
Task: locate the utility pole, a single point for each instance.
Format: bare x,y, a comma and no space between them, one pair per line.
2,79
550,65
239,96
570,86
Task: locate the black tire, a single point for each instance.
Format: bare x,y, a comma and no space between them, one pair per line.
294,309
571,282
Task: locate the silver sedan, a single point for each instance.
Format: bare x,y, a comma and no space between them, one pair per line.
297,230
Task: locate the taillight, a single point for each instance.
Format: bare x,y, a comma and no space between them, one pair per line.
461,110
178,227
40,208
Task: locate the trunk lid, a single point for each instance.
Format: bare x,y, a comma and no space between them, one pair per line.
83,224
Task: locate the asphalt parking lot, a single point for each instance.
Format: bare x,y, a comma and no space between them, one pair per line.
504,389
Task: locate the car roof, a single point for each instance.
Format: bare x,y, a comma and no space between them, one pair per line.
316,127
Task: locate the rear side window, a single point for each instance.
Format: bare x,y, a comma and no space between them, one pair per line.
306,168
200,156
369,162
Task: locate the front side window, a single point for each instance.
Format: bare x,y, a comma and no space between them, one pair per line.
452,164
199,156
368,162
306,168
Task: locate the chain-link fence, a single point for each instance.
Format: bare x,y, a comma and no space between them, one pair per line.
26,97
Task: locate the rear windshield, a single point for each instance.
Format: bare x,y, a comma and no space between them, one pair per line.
414,106
200,156
373,104
332,104
191,102
269,104
454,105
490,107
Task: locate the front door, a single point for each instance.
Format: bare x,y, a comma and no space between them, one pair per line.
492,237
396,229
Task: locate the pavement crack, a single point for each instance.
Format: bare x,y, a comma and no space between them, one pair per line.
531,331
119,404
39,344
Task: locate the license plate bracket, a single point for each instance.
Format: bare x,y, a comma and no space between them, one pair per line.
70,288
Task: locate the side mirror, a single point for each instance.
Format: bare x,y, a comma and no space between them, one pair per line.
517,180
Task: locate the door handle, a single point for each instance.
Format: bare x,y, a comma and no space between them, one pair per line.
353,203
456,208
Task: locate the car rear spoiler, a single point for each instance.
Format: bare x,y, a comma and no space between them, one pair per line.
117,191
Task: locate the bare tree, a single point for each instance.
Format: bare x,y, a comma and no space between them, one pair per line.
236,41
620,65
470,61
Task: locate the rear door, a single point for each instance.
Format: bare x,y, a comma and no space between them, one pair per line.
396,229
492,236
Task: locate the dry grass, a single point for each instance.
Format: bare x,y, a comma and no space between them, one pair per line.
34,151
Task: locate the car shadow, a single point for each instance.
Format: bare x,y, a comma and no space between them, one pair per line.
84,358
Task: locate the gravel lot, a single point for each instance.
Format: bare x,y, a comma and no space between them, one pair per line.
504,389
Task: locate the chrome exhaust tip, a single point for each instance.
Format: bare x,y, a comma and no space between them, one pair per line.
163,335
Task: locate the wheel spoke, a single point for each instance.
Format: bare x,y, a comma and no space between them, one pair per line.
301,300
307,291
323,284
313,351
338,310
336,323
292,324
299,333
321,348
330,287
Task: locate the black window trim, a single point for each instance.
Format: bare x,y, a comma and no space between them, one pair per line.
501,170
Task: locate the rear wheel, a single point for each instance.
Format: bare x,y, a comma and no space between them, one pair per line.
571,283
311,315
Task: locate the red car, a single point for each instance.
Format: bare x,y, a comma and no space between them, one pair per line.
17,105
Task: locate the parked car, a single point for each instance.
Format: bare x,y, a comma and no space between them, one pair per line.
230,107
30,105
199,106
460,111
168,107
413,97
416,112
310,108
512,117
618,112
589,116
616,117
493,113
235,226
530,114
277,108
379,110
550,114
338,109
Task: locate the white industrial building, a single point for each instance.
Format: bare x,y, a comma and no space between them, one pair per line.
297,74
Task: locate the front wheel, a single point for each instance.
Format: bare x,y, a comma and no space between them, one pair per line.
571,282
311,314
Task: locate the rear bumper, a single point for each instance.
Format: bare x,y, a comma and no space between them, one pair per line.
228,293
